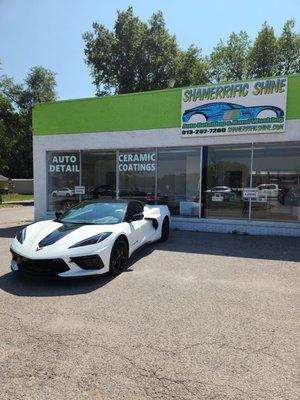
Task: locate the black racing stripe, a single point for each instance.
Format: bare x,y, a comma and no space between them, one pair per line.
59,233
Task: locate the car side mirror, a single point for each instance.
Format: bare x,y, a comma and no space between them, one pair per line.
136,217
58,214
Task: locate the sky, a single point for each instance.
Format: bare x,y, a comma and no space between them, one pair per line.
49,32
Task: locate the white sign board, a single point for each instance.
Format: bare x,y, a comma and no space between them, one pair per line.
79,189
250,193
252,107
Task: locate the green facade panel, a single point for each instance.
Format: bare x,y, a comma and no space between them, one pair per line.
136,111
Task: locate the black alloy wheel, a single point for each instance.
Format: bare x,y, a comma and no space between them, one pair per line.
165,229
119,257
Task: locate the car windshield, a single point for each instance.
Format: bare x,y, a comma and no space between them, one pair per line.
95,213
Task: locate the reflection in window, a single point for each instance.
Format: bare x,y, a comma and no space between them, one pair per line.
178,180
137,169
227,173
63,175
276,175
99,174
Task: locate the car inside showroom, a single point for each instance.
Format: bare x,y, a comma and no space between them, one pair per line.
223,158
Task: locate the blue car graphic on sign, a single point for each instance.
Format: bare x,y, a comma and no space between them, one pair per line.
221,111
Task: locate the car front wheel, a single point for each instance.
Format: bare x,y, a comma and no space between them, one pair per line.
118,257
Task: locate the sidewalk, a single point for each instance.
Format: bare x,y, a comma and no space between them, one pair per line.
20,202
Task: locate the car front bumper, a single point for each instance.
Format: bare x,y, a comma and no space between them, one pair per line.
64,267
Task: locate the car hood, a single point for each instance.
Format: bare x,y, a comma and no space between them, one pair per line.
45,237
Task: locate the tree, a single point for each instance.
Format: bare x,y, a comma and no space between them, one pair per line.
7,124
192,69
16,117
229,61
160,52
288,50
217,63
134,56
236,53
263,56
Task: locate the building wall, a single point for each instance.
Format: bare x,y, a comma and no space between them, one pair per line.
23,186
160,138
136,111
141,121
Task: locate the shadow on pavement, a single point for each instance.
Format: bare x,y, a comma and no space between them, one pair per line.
229,245
37,287
216,244
11,231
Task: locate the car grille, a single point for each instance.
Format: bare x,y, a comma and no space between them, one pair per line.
47,267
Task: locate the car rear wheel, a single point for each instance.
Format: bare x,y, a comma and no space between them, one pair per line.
165,229
118,257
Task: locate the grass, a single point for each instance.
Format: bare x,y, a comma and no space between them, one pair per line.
16,197
10,205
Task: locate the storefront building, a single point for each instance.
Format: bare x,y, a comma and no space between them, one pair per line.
224,158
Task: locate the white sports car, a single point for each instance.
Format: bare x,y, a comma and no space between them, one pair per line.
63,192
91,238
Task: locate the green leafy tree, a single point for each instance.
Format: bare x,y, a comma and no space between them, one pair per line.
7,124
229,61
16,117
217,63
134,56
288,50
160,53
192,68
263,56
236,54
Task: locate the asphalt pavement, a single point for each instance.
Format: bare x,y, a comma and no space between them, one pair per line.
203,316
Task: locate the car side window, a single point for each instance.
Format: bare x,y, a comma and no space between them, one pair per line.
134,207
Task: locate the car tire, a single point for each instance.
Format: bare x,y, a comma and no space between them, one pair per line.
165,230
53,194
67,194
118,257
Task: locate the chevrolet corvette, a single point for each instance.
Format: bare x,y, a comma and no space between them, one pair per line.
91,238
221,111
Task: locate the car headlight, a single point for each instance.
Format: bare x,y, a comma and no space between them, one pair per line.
92,240
21,235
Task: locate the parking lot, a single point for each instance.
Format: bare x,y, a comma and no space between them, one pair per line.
203,316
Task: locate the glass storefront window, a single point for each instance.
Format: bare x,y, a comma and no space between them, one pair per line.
98,174
178,180
63,175
276,176
226,173
137,169
172,177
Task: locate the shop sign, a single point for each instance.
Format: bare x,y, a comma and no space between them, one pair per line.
64,163
79,189
137,162
252,107
250,193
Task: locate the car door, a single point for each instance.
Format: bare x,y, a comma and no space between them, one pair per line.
146,228
134,235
